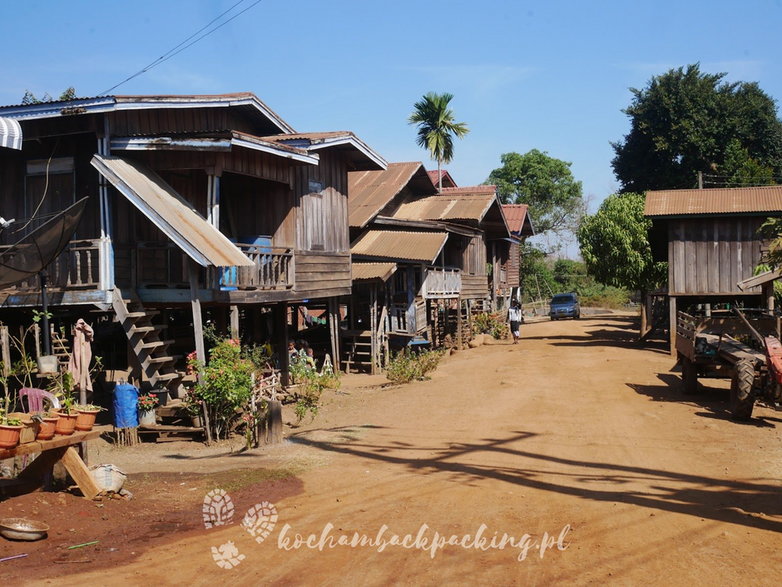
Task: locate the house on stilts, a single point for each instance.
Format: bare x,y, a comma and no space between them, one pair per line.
201,209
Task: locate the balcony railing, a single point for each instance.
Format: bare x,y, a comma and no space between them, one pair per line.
442,283
273,269
164,265
77,267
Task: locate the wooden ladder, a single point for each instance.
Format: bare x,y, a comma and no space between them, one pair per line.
357,351
61,348
144,340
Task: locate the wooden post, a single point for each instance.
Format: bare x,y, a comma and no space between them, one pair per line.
198,331
5,350
373,325
768,294
672,323
459,323
281,324
235,321
333,312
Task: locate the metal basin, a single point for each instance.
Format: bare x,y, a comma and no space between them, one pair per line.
22,529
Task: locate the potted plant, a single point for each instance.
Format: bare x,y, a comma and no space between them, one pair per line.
10,427
61,386
47,425
85,416
146,409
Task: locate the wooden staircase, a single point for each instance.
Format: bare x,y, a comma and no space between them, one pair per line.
61,348
157,366
356,351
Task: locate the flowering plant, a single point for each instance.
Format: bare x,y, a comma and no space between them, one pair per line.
223,383
147,402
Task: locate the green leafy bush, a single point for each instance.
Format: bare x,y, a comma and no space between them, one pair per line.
224,383
407,366
493,324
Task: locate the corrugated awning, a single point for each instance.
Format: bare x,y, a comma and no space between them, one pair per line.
423,247
371,271
171,213
10,134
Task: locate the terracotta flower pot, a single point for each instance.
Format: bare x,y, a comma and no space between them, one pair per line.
30,426
46,431
9,435
66,424
85,419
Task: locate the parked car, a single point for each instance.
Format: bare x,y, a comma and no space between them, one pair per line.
565,306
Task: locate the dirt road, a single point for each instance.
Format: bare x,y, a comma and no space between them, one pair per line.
576,438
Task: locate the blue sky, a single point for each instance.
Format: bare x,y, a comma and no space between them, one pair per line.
548,75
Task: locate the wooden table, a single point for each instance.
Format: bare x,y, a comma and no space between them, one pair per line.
58,449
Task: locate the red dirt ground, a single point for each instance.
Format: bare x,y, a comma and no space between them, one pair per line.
577,431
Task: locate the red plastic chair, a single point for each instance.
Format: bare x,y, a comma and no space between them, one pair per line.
35,399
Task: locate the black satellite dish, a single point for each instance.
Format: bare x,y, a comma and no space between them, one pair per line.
31,254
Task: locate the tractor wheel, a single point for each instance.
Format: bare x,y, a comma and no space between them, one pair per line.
741,398
689,377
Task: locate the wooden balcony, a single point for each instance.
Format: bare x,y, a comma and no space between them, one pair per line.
80,266
161,265
273,269
442,282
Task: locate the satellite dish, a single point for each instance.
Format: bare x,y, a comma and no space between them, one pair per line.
33,252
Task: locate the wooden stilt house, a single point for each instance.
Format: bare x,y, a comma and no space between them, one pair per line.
200,208
710,240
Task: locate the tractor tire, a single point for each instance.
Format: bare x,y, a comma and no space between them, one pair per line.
689,377
742,399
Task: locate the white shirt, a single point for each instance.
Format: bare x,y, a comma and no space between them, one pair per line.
514,315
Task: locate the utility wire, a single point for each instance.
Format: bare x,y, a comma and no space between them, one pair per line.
188,42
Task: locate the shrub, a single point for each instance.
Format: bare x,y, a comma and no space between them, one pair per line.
493,324
224,383
407,366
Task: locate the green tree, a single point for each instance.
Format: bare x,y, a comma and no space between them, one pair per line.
29,98
683,121
740,169
544,183
436,128
537,277
615,246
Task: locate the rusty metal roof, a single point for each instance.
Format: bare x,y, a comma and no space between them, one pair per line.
448,181
714,201
245,101
365,158
517,217
452,204
170,212
371,191
371,271
423,247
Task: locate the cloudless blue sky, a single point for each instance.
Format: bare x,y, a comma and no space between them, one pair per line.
548,75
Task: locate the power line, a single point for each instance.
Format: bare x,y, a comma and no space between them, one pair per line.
188,42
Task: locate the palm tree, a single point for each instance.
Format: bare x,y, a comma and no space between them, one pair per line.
436,128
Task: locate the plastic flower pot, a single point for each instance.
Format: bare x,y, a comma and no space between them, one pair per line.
46,431
9,435
66,424
85,419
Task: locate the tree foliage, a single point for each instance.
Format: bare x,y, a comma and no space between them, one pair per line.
615,246
29,98
437,127
685,121
545,184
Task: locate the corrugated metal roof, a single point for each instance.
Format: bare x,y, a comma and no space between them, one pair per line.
370,271
517,217
314,141
244,100
751,200
448,181
448,205
170,212
10,134
423,247
371,191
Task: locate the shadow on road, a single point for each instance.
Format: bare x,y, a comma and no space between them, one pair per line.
714,400
621,332
723,500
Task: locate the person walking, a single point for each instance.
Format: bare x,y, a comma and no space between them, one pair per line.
514,319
